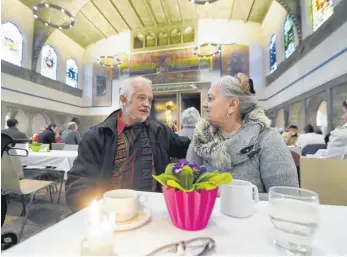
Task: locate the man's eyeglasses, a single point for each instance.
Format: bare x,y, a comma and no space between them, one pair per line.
193,247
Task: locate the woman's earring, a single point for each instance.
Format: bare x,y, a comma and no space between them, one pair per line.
230,115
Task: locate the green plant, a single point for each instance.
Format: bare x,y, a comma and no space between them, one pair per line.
189,177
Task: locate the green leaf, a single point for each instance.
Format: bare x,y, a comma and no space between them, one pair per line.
163,178
168,170
186,177
205,185
221,179
204,177
177,185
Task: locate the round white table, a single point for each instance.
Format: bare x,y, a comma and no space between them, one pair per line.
62,160
248,236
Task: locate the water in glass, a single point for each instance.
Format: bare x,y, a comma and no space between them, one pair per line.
294,214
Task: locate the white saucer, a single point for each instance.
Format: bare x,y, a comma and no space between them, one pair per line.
143,215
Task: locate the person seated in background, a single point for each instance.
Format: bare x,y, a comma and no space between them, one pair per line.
291,137
48,136
337,145
13,130
309,137
190,117
124,151
71,136
236,137
318,131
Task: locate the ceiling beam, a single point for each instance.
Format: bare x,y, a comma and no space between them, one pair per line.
136,13
166,15
103,15
180,10
250,11
232,9
102,33
151,13
120,14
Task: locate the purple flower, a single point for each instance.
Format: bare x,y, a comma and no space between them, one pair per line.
203,169
178,166
194,166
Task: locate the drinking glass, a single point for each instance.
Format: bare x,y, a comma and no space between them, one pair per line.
294,214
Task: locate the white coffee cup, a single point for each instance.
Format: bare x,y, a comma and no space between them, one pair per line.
238,198
124,203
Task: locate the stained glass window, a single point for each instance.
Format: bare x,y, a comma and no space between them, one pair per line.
71,73
12,44
289,38
49,62
321,11
272,48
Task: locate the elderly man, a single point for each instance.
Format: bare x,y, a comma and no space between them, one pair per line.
71,136
123,151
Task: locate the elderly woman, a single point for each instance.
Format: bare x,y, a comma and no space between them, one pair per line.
190,117
236,137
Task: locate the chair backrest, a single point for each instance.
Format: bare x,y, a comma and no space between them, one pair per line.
58,146
327,177
312,149
9,176
71,147
21,146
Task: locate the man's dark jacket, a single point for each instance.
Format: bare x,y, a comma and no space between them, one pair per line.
89,177
14,133
47,137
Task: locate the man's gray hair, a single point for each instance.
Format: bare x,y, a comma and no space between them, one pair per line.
72,125
239,87
127,88
190,117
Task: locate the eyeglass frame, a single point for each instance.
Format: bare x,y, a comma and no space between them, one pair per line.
206,247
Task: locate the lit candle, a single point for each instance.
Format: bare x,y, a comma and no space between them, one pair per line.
99,241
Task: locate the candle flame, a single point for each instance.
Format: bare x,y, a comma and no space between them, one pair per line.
94,213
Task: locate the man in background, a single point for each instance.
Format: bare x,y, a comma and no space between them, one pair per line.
13,130
291,137
71,136
48,136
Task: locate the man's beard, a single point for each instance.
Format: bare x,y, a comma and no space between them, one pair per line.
137,120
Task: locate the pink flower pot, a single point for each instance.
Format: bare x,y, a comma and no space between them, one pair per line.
190,211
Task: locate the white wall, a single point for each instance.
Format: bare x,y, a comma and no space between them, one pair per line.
65,48
20,15
334,44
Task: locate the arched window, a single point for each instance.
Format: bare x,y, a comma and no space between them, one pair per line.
49,62
71,73
273,59
289,37
12,44
321,11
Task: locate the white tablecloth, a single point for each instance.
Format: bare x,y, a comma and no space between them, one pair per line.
248,236
62,160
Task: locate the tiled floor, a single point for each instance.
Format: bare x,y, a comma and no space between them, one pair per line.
42,215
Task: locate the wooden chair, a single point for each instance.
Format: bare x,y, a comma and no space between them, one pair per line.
11,183
327,177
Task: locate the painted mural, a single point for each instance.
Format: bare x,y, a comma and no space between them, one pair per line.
235,59
101,93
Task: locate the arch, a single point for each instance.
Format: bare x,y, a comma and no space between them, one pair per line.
39,122
49,62
12,44
280,119
175,36
295,114
163,39
23,121
151,40
273,54
139,41
289,36
7,117
321,11
188,35
322,117
71,73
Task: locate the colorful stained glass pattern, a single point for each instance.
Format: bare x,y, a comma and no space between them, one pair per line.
273,58
12,44
49,62
289,37
71,73
321,11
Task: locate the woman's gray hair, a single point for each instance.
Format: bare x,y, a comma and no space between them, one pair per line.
190,117
239,87
127,89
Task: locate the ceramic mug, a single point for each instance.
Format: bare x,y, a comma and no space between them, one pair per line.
238,198
124,203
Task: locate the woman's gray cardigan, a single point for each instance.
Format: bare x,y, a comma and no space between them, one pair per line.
255,154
